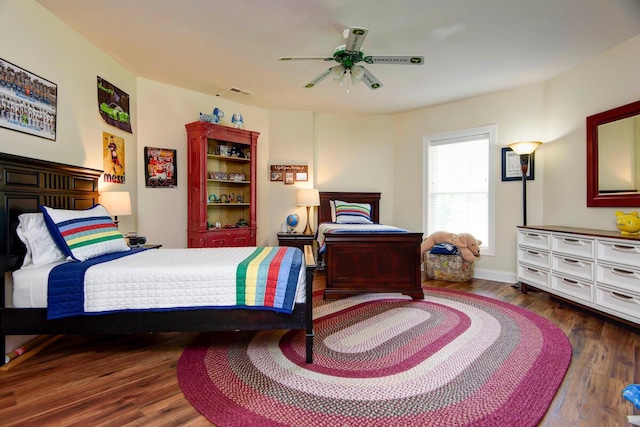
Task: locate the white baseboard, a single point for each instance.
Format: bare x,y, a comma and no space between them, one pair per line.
495,275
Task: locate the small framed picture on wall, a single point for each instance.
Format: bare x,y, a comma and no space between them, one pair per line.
511,168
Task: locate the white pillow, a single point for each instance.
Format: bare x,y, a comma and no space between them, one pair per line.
41,248
84,234
332,205
353,213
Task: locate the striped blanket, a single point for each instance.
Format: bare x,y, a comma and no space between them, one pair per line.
269,277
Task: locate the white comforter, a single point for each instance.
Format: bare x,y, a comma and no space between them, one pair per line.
158,278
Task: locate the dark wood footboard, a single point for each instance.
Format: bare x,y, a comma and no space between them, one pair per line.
373,262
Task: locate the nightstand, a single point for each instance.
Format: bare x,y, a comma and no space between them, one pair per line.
298,240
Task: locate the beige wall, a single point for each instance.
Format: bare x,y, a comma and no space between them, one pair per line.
355,153
606,81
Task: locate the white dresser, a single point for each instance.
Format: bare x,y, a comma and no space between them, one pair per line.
597,269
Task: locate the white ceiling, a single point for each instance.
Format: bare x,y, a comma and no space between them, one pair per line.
471,47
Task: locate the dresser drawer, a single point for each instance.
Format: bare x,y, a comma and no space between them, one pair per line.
576,267
622,278
576,289
619,252
534,257
533,276
533,239
570,245
622,302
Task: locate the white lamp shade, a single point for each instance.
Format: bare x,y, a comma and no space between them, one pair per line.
524,147
308,197
116,202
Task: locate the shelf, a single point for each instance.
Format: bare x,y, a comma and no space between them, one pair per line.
230,204
228,181
228,158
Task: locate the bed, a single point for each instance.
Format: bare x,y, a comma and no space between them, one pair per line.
361,262
26,183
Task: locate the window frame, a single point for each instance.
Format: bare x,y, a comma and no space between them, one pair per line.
487,248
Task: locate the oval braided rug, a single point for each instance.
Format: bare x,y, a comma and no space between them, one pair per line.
454,359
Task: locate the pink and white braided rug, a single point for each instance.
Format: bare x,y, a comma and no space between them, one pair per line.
454,359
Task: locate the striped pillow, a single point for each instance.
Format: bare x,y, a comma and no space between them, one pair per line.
353,213
84,234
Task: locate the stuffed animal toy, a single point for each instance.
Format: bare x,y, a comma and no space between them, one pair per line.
237,121
468,245
435,238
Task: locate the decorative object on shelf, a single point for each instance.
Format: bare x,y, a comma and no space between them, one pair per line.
308,197
213,198
239,198
215,117
218,225
223,198
236,151
237,177
221,176
292,221
524,150
242,223
628,223
116,203
223,150
237,121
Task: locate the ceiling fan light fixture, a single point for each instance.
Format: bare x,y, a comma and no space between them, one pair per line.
357,73
338,73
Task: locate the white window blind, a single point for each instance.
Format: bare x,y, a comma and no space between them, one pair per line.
459,187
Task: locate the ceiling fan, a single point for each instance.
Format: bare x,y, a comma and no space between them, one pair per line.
349,55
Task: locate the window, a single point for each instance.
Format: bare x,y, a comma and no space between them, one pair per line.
459,186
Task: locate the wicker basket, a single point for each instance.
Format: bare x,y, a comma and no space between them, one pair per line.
452,268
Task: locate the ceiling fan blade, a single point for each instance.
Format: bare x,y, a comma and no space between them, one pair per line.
370,80
355,39
321,77
409,60
303,58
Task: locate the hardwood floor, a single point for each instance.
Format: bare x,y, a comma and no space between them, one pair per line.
131,380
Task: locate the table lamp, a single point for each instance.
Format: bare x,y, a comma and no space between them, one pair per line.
116,203
308,197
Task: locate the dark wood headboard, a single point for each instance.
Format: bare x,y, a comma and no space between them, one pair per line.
26,183
324,212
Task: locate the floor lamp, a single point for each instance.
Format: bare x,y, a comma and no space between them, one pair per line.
308,197
524,150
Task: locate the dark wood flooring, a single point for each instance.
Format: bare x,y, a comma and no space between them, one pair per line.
131,380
